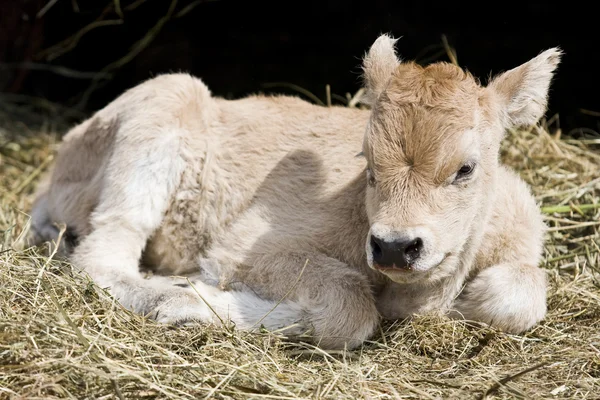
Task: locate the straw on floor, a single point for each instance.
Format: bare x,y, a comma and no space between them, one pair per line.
63,337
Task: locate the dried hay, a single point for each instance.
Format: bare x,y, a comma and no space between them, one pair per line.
63,337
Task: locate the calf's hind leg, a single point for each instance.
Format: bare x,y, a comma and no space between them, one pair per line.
138,183
140,179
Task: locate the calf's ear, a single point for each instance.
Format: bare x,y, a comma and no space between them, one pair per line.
378,65
523,91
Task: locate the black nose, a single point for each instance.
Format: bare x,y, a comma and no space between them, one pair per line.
396,254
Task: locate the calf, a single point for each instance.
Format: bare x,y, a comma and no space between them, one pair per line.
263,203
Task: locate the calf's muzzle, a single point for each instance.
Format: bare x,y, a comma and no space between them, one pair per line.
399,254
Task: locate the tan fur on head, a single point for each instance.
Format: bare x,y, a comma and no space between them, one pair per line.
426,124
263,203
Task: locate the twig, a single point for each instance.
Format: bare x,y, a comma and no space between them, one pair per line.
589,112
341,99
70,43
56,69
572,255
564,228
566,209
187,9
356,98
434,57
45,9
33,175
427,49
297,88
449,50
284,296
205,302
135,5
509,378
118,9
117,390
135,50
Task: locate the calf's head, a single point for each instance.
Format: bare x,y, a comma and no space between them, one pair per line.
431,147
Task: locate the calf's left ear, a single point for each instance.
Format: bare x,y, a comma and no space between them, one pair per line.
523,91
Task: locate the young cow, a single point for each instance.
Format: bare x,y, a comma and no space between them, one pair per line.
264,204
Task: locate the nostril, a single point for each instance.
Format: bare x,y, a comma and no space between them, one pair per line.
400,254
413,250
377,253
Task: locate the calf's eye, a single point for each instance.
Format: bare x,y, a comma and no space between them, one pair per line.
370,178
465,171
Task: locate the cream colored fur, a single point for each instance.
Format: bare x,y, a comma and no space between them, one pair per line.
264,204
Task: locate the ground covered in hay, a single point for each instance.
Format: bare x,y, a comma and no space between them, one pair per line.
63,337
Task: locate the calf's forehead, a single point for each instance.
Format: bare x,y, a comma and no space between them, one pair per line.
419,136
426,121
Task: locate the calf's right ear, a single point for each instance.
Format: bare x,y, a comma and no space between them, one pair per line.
378,65
523,91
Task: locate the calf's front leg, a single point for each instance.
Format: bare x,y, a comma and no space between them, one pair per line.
509,296
509,289
336,303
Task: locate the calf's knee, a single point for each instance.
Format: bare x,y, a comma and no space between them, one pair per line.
509,297
343,316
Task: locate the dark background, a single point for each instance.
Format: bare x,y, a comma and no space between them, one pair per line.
236,47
